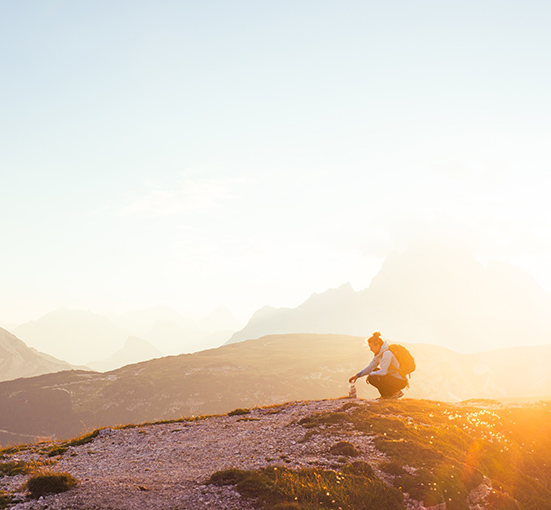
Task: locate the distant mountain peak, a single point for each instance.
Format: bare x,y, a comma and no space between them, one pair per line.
344,289
134,350
134,341
431,293
219,319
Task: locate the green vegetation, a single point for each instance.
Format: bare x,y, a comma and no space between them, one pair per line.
13,449
439,452
50,483
15,467
184,421
434,452
237,412
324,419
276,488
345,449
56,450
84,439
60,449
6,499
273,409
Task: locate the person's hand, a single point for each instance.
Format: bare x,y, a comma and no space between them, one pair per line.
353,379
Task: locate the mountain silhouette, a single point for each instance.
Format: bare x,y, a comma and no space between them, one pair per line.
340,310
134,350
140,322
174,334
428,293
77,336
83,337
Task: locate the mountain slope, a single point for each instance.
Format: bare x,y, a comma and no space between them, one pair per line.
18,360
269,370
430,294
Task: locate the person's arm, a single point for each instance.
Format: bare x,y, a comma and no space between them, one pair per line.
367,370
384,364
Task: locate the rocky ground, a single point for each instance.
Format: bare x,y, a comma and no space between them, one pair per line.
164,466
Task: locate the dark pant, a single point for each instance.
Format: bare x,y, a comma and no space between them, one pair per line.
386,384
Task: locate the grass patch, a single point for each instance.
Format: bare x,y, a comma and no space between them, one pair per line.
349,405
238,412
10,450
62,448
323,420
15,467
344,448
275,488
448,449
56,450
185,421
82,440
498,500
49,483
6,499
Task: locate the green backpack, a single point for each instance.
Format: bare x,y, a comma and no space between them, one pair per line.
404,357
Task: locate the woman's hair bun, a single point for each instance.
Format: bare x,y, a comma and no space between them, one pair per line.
375,337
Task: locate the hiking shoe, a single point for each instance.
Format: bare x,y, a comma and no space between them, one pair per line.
398,394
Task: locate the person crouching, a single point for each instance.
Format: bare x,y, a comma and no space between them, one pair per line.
384,370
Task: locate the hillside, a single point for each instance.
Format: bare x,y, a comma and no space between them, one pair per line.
270,370
18,360
425,294
347,454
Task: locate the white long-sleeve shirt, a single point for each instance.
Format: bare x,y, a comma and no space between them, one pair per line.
384,363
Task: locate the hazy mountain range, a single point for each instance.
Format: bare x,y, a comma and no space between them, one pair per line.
86,338
134,350
268,370
427,294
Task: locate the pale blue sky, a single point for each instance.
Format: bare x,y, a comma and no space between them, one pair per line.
249,153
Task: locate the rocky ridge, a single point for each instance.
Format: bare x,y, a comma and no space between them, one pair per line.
165,465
